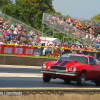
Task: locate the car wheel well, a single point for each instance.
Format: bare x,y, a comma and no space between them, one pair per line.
81,78
84,70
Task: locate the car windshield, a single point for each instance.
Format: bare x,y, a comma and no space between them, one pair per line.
80,59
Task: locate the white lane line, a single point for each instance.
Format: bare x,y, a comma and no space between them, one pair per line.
20,75
18,66
51,88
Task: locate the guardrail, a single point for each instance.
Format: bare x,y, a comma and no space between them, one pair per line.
44,50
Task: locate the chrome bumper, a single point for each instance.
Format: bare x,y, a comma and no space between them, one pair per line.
58,72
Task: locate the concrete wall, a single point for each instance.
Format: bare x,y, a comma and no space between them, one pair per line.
54,96
13,60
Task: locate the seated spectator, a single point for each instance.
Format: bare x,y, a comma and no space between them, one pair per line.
32,33
90,24
11,42
49,19
19,27
37,38
61,22
12,27
5,34
29,36
87,24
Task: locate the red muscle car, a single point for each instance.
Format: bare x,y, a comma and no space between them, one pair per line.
72,67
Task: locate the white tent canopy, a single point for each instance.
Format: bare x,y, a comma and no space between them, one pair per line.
51,40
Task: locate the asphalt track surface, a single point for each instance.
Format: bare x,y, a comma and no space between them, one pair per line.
12,76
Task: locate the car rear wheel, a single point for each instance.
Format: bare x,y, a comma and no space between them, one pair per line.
46,78
67,80
98,81
81,79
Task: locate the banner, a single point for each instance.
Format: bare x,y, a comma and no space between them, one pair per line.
37,51
30,51
16,50
56,52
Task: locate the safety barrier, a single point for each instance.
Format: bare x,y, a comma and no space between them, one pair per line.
43,50
16,50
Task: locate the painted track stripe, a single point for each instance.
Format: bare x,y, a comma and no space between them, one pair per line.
19,66
20,75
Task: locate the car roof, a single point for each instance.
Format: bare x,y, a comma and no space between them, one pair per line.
79,55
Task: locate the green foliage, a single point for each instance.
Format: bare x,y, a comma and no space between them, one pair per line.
97,17
5,2
59,35
58,13
29,11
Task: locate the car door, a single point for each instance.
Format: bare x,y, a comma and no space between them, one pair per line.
89,70
94,65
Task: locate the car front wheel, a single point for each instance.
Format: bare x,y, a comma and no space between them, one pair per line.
81,79
98,81
46,78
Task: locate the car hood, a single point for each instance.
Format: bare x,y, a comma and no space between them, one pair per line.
61,62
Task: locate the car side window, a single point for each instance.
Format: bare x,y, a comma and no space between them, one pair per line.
92,60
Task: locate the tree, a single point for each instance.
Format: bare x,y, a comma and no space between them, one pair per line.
4,2
58,13
97,17
30,11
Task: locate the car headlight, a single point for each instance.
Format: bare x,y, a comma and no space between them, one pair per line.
43,66
73,68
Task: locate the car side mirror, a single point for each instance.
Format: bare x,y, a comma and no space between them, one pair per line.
92,63
56,59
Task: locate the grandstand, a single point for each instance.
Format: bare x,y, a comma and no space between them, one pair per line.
13,23
52,22
58,23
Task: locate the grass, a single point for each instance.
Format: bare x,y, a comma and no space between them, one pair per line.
36,56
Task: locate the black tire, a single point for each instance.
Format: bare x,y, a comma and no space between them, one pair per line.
46,78
67,80
81,79
98,81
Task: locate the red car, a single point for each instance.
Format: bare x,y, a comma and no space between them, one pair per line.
72,67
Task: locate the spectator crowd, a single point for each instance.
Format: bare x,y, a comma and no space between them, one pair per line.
14,34
89,32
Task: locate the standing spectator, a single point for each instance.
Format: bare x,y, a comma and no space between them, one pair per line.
98,53
41,49
77,43
61,50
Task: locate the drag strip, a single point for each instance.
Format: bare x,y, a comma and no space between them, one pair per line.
15,76
18,66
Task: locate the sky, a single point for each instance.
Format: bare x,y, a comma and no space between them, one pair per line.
77,8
